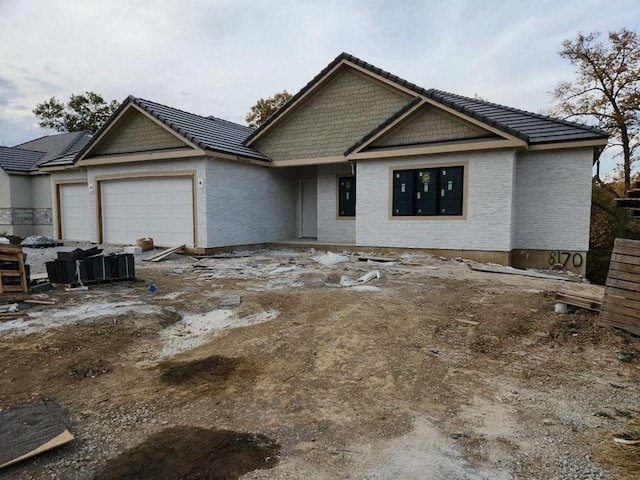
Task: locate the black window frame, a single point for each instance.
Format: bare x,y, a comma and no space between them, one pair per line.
428,192
346,196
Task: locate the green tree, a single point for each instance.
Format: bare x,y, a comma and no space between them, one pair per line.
88,111
265,107
606,90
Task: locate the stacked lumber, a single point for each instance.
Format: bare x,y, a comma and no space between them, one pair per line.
13,277
621,302
582,300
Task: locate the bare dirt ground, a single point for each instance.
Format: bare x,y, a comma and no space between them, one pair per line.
307,379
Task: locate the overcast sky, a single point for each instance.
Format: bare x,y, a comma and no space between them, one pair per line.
217,57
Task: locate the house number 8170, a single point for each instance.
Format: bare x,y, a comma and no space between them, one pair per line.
564,258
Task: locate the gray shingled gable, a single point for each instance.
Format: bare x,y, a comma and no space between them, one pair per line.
53,145
13,159
530,127
67,156
28,156
209,133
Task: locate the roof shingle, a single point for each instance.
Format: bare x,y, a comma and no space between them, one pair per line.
209,133
530,127
28,156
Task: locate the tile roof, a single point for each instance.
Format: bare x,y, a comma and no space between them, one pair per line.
530,127
14,159
68,156
28,156
209,133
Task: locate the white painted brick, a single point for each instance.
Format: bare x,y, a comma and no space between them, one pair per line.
553,200
330,227
249,204
489,206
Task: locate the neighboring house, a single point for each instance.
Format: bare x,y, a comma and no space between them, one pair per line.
25,192
358,156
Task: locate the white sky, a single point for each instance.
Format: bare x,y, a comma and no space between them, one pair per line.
218,57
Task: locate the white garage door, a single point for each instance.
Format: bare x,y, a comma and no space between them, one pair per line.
75,213
159,208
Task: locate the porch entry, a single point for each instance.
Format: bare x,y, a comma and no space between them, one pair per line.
308,209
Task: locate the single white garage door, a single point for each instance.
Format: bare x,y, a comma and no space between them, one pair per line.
160,208
75,212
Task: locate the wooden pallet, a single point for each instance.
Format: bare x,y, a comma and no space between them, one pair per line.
12,254
621,302
579,300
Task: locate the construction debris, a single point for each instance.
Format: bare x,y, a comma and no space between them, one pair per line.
515,271
345,281
30,430
581,300
230,301
164,254
39,241
330,258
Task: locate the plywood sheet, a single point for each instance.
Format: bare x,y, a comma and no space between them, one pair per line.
31,430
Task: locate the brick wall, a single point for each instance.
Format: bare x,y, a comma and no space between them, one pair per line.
489,206
249,204
331,228
349,107
553,200
430,125
138,134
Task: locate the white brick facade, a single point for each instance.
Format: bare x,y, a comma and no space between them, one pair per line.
332,228
249,204
489,205
553,200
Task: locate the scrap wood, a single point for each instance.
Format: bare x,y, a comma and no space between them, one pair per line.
165,253
30,430
59,440
468,322
515,271
365,258
39,302
10,316
586,301
39,276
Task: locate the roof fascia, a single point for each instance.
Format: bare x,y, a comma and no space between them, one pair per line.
58,168
139,157
573,144
390,152
307,161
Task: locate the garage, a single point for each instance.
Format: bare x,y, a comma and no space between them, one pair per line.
157,207
75,212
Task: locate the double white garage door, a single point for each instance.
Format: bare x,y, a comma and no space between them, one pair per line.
160,208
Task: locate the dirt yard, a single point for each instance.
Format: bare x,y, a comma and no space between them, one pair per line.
431,371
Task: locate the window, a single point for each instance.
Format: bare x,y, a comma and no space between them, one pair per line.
428,191
346,196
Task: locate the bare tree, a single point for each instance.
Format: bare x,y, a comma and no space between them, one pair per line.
606,89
